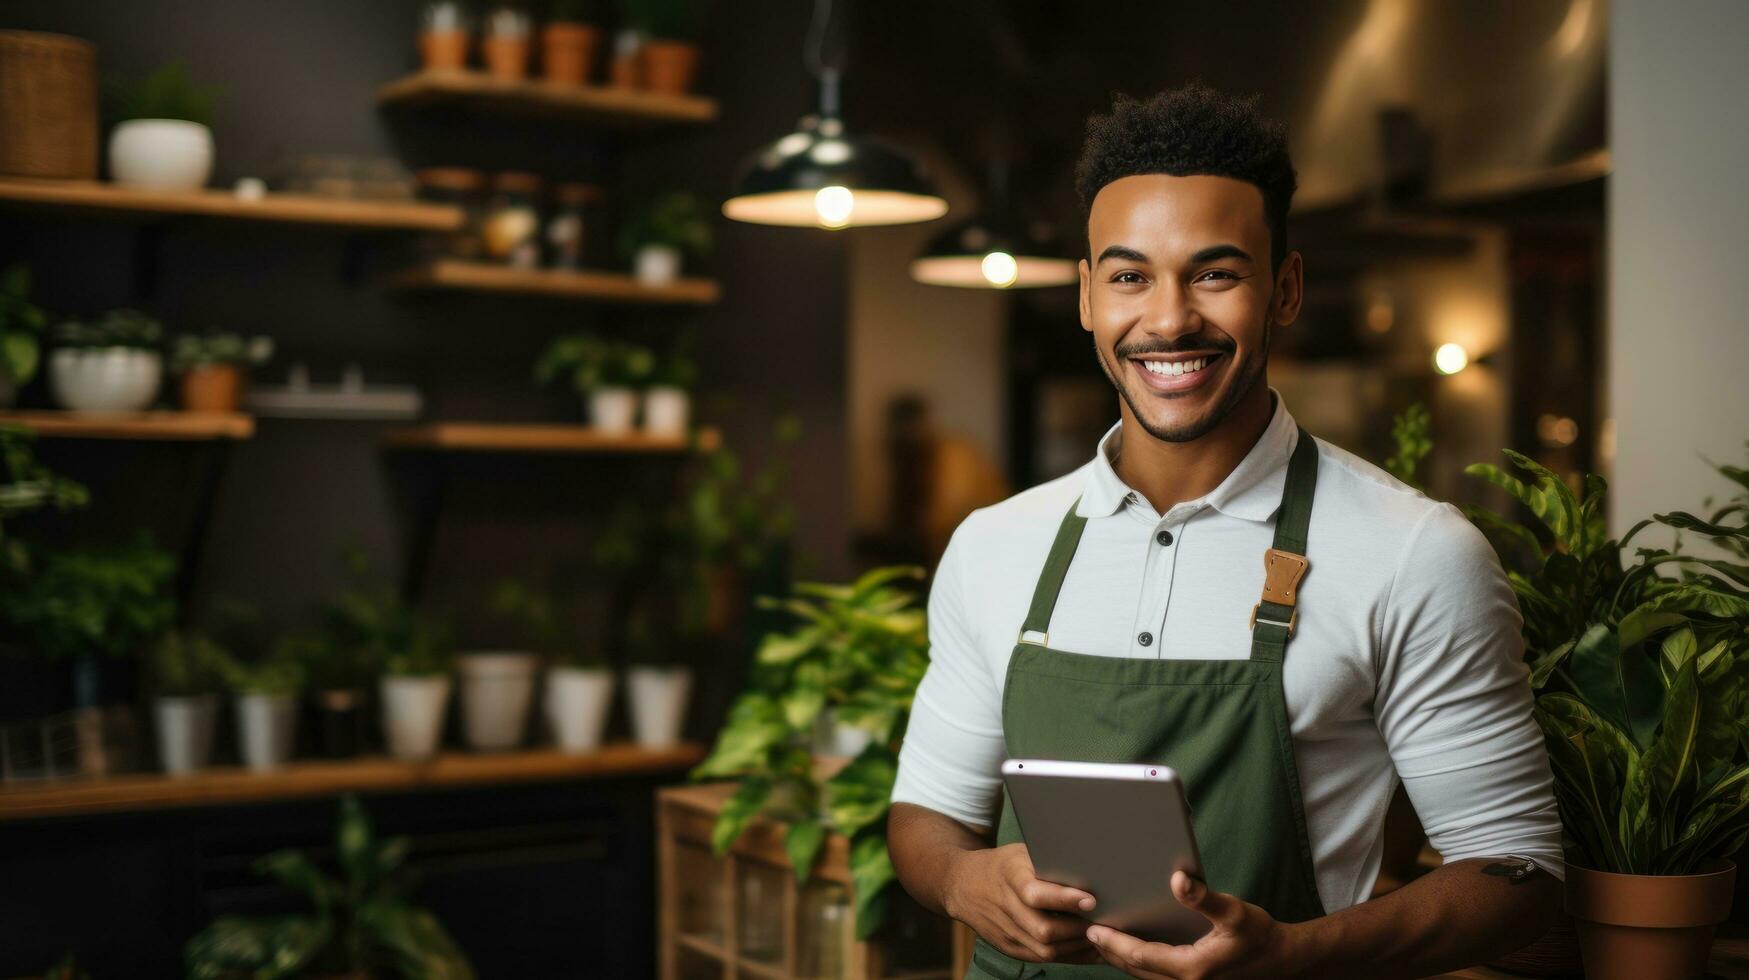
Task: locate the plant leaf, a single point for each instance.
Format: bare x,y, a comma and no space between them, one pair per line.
737,812
871,872
1619,685
802,843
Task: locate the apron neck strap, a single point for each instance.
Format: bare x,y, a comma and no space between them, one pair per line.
1050,581
1274,617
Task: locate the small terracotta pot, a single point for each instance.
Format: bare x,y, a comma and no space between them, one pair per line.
444,50
567,52
669,66
212,388
506,56
1637,926
626,70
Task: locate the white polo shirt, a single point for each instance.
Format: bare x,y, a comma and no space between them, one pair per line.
1406,664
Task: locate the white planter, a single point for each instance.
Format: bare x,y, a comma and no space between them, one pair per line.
658,699
267,725
413,710
833,739
497,687
612,410
667,411
185,732
656,265
105,379
166,154
577,703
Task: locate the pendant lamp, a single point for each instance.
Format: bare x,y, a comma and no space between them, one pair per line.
991,251
820,176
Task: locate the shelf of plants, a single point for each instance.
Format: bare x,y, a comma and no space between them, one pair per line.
607,287
160,426
493,437
226,786
99,198
621,107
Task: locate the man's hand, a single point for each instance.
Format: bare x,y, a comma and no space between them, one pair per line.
994,891
1245,941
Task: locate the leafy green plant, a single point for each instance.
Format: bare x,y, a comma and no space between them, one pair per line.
116,328
281,672
675,219
326,662
184,663
26,485
1642,676
1412,432
672,20
21,326
104,601
361,923
370,626
675,370
197,350
168,93
858,651
589,362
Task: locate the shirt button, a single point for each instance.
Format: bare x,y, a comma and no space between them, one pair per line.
1145,639
1164,537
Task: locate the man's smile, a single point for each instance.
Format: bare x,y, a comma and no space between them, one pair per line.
1179,372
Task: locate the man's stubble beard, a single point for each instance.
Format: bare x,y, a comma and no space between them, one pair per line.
1252,374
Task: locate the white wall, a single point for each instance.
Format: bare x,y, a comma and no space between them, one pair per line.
1679,241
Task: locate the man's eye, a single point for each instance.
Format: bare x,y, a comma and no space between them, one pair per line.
1128,277
1217,274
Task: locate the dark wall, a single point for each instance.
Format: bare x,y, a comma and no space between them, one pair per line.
300,79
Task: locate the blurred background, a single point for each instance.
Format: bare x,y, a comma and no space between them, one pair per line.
391,407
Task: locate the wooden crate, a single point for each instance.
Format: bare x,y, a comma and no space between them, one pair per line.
703,925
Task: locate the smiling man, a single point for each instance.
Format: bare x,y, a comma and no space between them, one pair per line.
1286,625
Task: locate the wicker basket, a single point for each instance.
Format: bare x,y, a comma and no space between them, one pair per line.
48,106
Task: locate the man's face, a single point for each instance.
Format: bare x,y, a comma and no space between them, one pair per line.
1180,297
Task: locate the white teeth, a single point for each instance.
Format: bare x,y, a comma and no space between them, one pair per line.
1173,369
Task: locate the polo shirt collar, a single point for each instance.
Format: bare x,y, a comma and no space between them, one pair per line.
1251,492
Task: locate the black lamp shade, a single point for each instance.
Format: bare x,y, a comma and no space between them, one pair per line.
981,254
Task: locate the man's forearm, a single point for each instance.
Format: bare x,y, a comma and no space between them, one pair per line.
923,845
1461,914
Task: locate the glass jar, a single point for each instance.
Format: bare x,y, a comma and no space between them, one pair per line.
822,927
461,188
759,915
512,224
567,226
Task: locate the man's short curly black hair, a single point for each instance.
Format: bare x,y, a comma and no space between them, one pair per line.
1186,131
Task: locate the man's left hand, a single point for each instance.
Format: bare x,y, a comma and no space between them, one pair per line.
1244,941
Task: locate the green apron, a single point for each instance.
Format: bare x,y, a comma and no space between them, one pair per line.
1222,724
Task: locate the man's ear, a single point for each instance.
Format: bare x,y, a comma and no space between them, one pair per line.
1289,291
1086,282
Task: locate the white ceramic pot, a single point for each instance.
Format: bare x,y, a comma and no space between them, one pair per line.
577,703
497,687
413,710
185,732
667,410
658,698
267,725
656,265
164,154
834,739
612,410
105,379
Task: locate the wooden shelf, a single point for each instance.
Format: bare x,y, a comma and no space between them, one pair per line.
161,426
95,197
227,786
618,107
603,287
494,437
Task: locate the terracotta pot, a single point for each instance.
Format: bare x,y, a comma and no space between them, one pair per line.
444,50
212,388
1637,926
506,56
567,52
669,66
625,70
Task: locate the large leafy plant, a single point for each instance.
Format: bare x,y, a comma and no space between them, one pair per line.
858,650
360,925
26,485
21,325
104,601
1642,675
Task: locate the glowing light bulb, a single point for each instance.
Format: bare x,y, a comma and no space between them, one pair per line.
1450,358
833,205
1000,269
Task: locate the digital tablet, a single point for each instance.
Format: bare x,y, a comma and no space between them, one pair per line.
1117,831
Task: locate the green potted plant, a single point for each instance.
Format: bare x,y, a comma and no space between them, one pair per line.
266,692
497,685
214,366
109,363
607,373
659,232
187,670
163,140
359,924
668,396
338,677
27,683
669,29
1642,691
370,625
21,327
840,682
579,693
567,42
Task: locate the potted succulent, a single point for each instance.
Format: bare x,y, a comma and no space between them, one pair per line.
267,707
444,29
607,373
163,140
567,42
670,29
498,685
107,364
1642,681
358,925
214,366
667,398
504,43
187,670
21,327
658,234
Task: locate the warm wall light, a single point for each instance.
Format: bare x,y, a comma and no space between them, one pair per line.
1450,358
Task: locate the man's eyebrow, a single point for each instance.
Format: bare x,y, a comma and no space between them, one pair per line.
1121,252
1214,252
